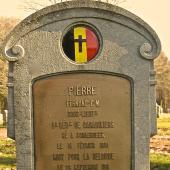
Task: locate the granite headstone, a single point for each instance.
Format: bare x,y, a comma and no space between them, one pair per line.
82,88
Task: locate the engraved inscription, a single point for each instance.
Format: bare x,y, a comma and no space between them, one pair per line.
83,103
82,90
82,122
90,113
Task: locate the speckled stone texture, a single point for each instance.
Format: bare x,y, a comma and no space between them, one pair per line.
129,47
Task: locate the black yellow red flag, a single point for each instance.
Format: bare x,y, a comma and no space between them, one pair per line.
81,44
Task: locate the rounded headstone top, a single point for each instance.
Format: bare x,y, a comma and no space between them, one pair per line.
37,20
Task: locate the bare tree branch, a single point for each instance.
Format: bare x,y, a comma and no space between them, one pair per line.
34,5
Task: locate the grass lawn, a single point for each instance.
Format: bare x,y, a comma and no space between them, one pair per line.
164,126
160,162
2,126
7,154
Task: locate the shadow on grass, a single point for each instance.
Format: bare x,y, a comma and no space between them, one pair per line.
155,166
160,162
7,161
160,166
2,126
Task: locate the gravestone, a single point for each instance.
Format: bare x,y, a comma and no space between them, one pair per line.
82,88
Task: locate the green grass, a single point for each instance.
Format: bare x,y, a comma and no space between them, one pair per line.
7,154
164,122
163,132
160,162
164,126
2,126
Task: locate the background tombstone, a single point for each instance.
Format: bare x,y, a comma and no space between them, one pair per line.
50,91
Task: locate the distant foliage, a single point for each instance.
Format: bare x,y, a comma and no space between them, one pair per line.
6,25
162,65
3,80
